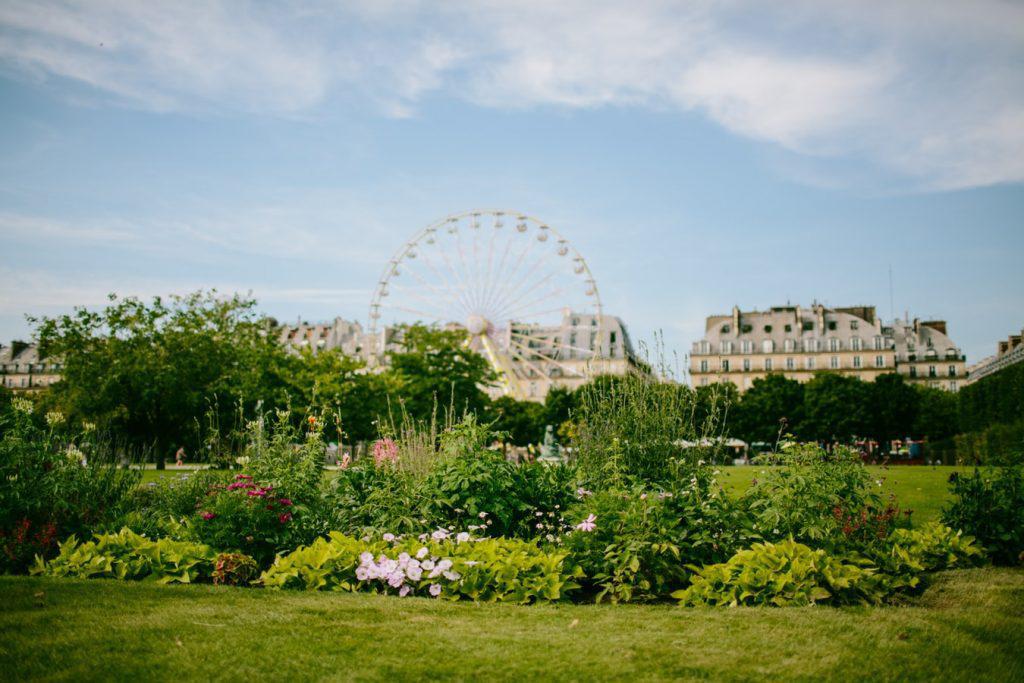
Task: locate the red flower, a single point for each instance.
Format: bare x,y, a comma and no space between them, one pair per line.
285,501
284,517
312,420
207,516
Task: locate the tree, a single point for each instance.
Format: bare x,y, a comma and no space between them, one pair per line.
559,405
437,368
713,406
772,403
892,408
521,420
936,417
149,370
835,408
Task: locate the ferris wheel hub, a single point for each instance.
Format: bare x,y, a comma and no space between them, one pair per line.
477,325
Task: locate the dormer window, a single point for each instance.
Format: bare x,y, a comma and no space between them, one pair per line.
725,329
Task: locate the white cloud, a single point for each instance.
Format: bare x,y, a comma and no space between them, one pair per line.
929,90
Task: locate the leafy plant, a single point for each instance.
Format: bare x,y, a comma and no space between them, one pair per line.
826,499
935,547
234,569
54,484
128,555
782,574
989,505
159,507
487,570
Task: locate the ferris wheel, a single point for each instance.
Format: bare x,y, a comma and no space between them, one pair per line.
516,286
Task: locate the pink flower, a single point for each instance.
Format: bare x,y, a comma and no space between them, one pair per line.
583,493
207,516
388,537
435,589
384,450
404,591
287,502
243,476
284,517
346,460
588,524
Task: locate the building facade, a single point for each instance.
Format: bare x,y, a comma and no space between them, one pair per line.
22,369
799,342
1008,352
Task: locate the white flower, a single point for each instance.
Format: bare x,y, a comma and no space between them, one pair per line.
435,589
421,553
388,537
439,535
362,574
366,558
427,564
403,591
462,537
452,576
482,515
414,573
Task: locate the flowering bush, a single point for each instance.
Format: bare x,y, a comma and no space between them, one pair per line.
55,484
826,499
249,516
128,555
445,566
781,574
159,507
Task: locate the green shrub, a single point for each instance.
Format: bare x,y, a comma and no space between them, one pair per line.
159,507
367,498
824,499
989,505
783,574
934,547
635,544
54,485
486,570
128,555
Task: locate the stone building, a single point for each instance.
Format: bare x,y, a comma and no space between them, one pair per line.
22,369
1008,352
798,342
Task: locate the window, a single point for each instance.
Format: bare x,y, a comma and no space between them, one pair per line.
705,347
811,344
789,328
833,344
790,364
725,329
703,366
809,362
767,328
746,365
952,386
747,346
931,371
725,365
703,381
913,371
855,343
833,362
788,345
856,361
767,363
746,328
854,324
878,343
808,325
767,346
831,324
725,347
611,337
952,371
879,361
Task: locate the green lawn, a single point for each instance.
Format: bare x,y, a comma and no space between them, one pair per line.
921,489
968,626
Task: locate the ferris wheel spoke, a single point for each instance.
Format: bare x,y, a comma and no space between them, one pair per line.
541,373
503,294
567,368
468,274
515,309
495,276
517,296
463,289
430,316
424,301
554,342
443,293
460,287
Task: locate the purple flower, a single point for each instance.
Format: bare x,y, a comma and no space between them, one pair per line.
588,524
462,537
388,537
396,578
435,589
404,591
439,535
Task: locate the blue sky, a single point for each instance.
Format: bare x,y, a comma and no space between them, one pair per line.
698,154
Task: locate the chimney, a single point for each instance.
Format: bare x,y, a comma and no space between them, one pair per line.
939,325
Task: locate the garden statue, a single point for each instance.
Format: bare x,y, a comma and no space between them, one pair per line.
550,451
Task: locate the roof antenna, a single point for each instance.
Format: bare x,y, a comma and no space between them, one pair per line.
892,308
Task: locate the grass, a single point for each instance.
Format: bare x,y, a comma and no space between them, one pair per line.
968,626
921,489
